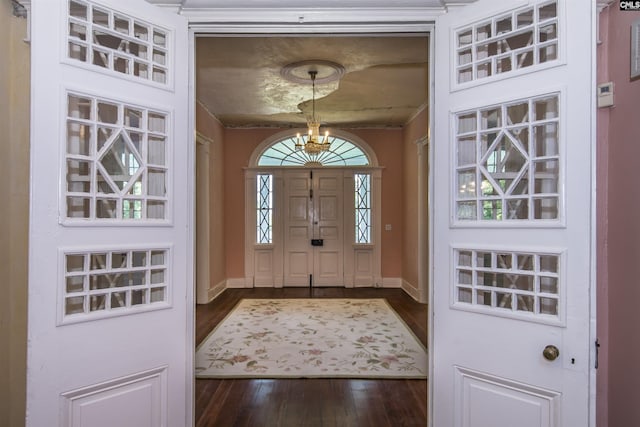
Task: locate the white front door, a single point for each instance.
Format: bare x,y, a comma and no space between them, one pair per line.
513,225
298,228
110,262
328,228
313,228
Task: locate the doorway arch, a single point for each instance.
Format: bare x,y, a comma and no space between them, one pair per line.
352,151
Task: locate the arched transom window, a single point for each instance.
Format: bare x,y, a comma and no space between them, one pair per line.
341,153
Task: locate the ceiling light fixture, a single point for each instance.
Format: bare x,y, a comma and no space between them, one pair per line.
312,144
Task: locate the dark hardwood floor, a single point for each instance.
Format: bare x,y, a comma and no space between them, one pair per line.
311,402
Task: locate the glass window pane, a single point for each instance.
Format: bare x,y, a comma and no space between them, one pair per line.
362,202
116,280
339,153
157,294
75,284
507,43
73,305
109,151
106,35
264,206
515,154
78,176
519,282
75,263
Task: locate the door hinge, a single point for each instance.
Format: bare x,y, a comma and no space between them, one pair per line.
311,193
311,174
597,343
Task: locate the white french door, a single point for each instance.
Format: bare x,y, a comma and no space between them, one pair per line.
513,231
110,262
313,228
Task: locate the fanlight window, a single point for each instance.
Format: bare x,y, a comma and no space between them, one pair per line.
342,153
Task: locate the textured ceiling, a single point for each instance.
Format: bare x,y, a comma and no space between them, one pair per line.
239,80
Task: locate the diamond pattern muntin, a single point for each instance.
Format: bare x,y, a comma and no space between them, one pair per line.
114,159
120,161
519,150
265,209
363,207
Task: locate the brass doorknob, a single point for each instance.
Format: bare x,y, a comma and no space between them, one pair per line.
551,352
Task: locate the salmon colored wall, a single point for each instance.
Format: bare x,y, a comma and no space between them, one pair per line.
240,143
14,212
387,145
619,224
238,146
210,127
413,132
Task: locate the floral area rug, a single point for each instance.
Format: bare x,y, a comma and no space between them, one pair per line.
306,338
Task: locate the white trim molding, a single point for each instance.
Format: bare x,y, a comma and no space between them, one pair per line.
239,283
600,6
217,290
26,4
203,219
422,145
411,290
392,282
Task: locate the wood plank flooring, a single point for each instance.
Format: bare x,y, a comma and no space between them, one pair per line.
311,402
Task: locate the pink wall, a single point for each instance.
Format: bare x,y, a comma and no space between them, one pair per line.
387,145
240,143
618,228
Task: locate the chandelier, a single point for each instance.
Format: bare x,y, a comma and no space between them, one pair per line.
313,145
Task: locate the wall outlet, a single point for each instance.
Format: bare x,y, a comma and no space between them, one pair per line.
387,227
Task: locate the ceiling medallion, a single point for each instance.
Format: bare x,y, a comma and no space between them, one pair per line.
326,71
316,71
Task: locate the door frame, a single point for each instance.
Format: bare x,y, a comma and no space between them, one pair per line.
274,253
212,23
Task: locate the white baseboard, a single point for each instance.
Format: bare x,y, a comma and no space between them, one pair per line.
216,290
246,282
391,282
411,290
239,283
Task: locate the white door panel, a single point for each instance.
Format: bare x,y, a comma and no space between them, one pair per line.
298,228
512,232
328,226
313,210
110,246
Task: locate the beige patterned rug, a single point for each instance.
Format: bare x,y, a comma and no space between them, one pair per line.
311,338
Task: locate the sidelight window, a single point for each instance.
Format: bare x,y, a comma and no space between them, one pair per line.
363,207
264,214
